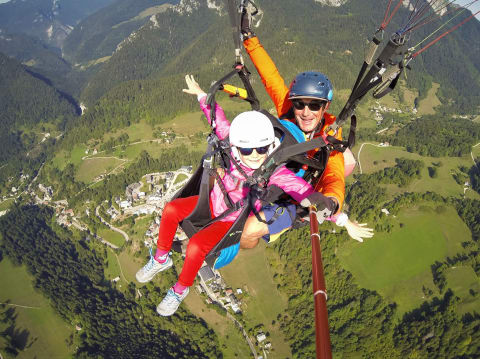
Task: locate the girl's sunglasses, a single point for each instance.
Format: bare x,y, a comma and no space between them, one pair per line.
313,106
249,151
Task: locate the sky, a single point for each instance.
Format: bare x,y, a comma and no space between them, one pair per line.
474,8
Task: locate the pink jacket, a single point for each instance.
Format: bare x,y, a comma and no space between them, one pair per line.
294,186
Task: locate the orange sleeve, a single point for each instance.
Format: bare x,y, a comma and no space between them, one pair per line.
332,182
271,78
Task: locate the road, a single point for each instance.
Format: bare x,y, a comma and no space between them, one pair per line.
174,187
471,154
125,235
245,335
21,306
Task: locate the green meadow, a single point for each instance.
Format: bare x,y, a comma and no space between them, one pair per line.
75,157
93,167
466,285
180,177
6,204
232,343
136,132
187,124
44,332
398,265
373,158
428,104
112,269
262,301
111,236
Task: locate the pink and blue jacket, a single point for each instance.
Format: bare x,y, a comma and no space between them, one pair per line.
233,181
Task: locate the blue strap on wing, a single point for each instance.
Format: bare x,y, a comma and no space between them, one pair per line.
226,256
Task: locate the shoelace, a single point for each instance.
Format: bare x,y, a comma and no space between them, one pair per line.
171,297
151,262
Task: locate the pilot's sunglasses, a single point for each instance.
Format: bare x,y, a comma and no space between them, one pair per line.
249,151
313,106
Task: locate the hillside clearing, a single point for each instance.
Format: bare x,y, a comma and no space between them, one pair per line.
427,105
397,265
93,167
251,272
42,328
375,158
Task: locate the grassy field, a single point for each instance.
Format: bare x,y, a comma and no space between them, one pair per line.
251,272
45,331
187,124
111,236
374,158
113,270
137,232
130,265
91,168
136,132
427,105
6,204
463,281
181,177
476,153
397,265
75,157
232,343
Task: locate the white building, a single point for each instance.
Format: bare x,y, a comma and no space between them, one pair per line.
125,204
261,337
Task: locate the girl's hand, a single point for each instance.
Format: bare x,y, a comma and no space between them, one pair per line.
193,86
358,231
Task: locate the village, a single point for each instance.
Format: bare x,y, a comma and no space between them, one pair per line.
148,197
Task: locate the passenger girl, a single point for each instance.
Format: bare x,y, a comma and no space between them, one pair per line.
252,139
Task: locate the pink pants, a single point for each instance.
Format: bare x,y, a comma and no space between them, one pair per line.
199,245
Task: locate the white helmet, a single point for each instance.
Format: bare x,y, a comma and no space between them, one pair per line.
251,129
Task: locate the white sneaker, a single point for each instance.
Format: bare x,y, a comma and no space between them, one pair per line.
148,271
171,302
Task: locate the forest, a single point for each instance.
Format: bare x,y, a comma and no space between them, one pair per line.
438,136
361,321
114,324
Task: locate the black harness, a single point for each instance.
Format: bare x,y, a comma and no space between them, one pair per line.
290,152
218,156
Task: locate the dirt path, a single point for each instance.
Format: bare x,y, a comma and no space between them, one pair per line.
360,150
120,266
21,306
471,154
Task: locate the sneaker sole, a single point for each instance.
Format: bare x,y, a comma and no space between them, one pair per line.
161,270
165,314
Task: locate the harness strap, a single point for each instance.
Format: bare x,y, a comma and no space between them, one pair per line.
228,199
341,146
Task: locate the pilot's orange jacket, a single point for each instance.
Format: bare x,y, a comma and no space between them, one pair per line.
332,182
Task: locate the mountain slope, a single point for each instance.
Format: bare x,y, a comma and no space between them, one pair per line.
178,42
49,20
25,102
99,35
